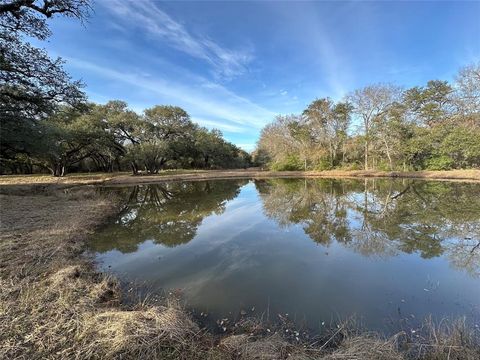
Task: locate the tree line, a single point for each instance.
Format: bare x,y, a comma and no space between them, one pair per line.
48,124
382,126
111,138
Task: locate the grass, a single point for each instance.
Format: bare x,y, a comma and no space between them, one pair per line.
120,178
54,305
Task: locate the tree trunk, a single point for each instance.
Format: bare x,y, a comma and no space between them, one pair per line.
134,167
388,154
56,170
367,127
366,154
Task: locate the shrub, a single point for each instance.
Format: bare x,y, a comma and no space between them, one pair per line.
290,163
323,164
439,163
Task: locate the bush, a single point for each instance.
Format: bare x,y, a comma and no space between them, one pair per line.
323,164
290,163
439,163
383,166
351,166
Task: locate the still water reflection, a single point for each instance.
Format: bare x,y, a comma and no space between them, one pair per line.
385,250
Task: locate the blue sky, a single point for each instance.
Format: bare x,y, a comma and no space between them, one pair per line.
235,65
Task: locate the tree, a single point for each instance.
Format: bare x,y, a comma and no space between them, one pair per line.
278,145
302,143
462,145
328,124
467,92
370,105
426,127
161,134
429,105
32,85
122,125
318,119
67,138
391,134
207,144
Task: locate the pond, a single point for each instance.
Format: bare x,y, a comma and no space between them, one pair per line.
390,252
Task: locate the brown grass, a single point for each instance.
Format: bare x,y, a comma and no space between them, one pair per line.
447,340
456,175
171,175
54,305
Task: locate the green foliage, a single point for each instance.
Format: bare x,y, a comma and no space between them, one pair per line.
383,166
32,85
351,166
462,146
435,127
439,163
46,123
323,164
290,163
429,104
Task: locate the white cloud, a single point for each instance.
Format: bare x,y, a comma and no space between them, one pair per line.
217,104
226,63
220,125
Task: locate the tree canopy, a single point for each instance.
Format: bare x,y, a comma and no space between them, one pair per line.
47,123
32,85
382,126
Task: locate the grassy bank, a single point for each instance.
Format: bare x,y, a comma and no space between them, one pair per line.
170,175
53,304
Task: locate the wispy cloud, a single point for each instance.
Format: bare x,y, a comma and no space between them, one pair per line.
226,63
220,125
218,104
333,67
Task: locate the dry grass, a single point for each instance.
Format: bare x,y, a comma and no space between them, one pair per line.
172,175
458,175
152,333
52,302
45,179
364,347
53,305
447,340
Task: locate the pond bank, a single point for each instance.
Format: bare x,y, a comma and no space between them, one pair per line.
123,178
53,304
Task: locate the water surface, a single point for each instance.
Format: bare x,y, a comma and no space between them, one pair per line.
388,251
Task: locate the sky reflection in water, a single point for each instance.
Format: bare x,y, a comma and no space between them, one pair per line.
385,250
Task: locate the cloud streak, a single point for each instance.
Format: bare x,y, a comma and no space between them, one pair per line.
220,125
223,109
226,63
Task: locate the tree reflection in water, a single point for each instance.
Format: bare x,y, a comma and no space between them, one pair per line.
167,213
383,217
374,217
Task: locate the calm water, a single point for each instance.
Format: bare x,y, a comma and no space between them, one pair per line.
388,251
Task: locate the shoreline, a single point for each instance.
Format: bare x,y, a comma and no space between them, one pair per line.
199,175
